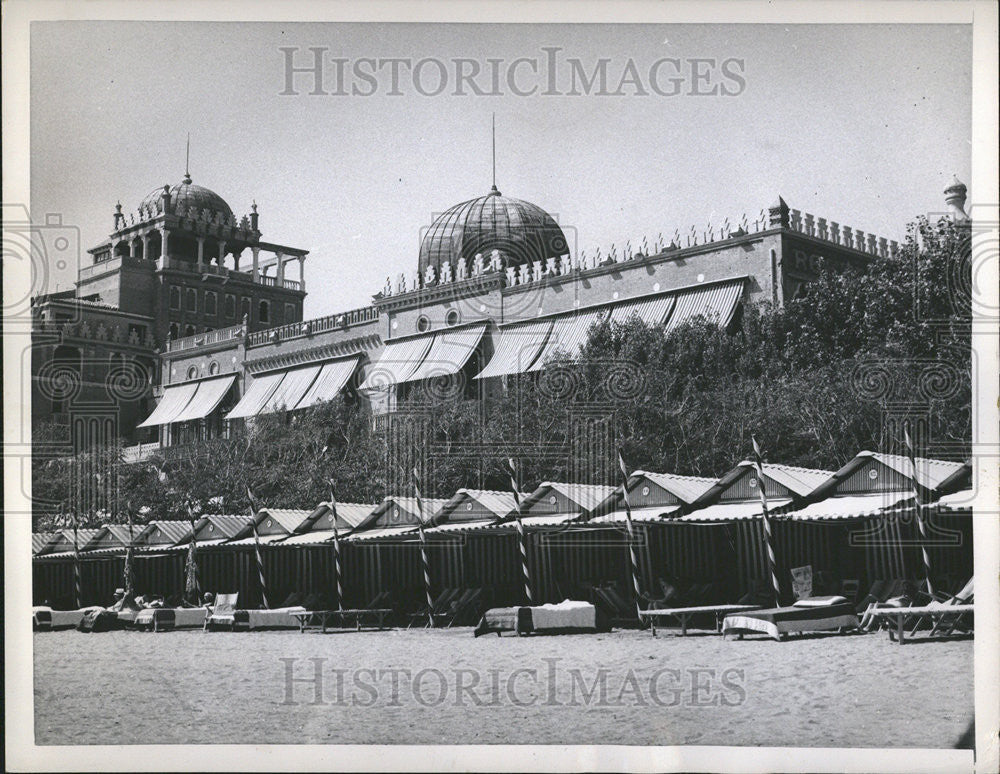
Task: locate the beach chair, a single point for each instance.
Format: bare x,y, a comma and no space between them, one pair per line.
945,623
441,602
468,602
669,595
617,610
223,612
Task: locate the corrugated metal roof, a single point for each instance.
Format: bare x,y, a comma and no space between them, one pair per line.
930,473
311,538
40,540
500,503
651,513
686,488
716,303
849,506
587,496
249,541
289,518
398,361
957,501
802,481
382,532
164,532
732,511
409,504
220,526
63,540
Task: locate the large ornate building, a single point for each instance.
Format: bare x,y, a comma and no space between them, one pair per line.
186,322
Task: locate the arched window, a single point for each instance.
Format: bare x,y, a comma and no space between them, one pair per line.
264,312
211,302
175,297
192,300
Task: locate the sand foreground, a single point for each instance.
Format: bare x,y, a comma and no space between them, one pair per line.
444,687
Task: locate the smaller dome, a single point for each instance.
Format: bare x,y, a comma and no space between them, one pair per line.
191,195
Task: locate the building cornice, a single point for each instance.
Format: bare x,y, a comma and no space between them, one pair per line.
356,346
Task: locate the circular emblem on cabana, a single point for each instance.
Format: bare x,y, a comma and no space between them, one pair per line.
753,483
645,491
873,474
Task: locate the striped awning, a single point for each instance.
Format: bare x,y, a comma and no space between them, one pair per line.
734,511
849,506
330,381
398,361
517,348
449,352
257,396
652,311
207,396
716,303
171,405
569,333
291,389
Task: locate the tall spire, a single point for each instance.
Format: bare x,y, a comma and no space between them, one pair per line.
187,160
494,153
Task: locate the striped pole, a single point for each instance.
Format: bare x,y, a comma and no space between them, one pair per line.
758,466
521,537
129,580
256,547
921,526
336,550
76,564
631,531
423,542
190,565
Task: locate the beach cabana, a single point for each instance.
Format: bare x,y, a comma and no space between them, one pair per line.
162,534
318,525
652,497
40,542
273,525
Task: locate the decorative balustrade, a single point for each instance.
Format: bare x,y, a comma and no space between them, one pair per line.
203,339
339,321
140,452
845,236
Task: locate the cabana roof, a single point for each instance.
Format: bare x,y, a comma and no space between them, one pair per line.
666,491
40,541
113,536
164,533
875,472
478,505
217,527
850,506
349,516
396,511
781,482
558,497
63,540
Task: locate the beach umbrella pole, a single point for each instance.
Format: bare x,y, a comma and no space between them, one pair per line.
522,539
633,559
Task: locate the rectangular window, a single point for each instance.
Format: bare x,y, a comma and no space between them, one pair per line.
192,300
264,312
230,306
211,303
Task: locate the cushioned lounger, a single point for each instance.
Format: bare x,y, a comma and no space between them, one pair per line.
164,619
565,617
780,621
46,619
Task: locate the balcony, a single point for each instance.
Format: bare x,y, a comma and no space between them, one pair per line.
203,339
139,453
332,322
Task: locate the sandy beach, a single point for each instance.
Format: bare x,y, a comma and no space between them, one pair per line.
444,686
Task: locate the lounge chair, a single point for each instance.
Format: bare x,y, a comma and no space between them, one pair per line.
943,614
465,604
439,607
45,619
223,612
813,614
374,614
567,617
684,614
620,611
165,619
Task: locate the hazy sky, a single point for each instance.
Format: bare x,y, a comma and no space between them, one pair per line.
862,125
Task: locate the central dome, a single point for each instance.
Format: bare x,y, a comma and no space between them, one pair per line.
521,231
191,195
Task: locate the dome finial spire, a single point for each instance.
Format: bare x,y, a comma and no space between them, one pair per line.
187,160
494,188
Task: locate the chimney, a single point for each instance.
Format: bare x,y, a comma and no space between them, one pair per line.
954,196
778,214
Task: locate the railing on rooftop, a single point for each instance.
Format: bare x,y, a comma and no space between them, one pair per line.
340,321
845,236
202,339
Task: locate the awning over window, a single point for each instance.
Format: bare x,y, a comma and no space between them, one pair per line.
517,348
716,303
205,399
257,396
652,311
173,402
331,380
569,333
398,361
449,352
290,390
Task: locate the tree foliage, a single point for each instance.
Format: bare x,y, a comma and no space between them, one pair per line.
812,380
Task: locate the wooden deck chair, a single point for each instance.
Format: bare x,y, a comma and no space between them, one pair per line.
441,602
946,624
223,612
468,602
